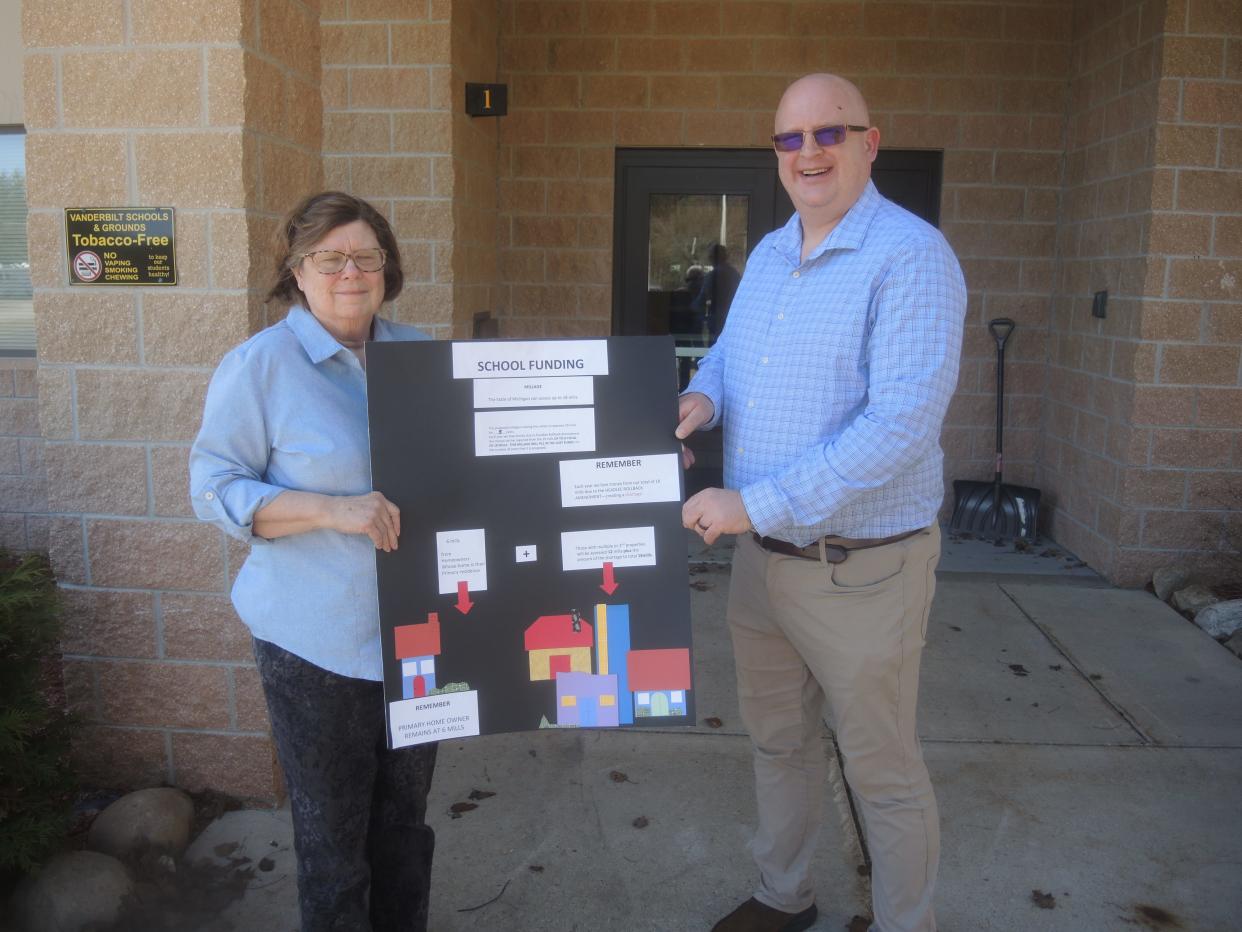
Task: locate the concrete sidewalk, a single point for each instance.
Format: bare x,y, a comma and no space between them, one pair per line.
1085,743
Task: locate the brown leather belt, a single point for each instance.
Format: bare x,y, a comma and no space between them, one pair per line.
836,549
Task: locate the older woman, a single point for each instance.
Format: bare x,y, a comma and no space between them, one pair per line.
282,463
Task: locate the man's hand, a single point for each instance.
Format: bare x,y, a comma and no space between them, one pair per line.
371,514
713,512
694,409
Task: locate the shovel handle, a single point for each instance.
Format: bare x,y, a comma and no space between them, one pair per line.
1000,328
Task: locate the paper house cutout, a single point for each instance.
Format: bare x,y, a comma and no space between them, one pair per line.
417,647
586,700
660,680
554,647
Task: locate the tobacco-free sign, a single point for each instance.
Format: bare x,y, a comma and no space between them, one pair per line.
121,245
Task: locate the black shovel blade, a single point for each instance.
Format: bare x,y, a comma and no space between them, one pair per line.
980,510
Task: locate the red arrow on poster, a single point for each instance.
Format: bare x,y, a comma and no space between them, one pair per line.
610,583
463,597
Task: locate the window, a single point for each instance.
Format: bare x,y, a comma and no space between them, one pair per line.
17,333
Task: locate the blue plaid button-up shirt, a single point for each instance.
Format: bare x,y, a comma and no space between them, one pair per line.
832,376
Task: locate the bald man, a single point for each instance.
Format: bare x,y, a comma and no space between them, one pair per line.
831,381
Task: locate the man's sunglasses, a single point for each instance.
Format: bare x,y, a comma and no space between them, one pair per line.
825,136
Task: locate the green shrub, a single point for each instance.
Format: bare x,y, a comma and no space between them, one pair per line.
36,783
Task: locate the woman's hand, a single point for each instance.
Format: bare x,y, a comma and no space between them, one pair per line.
293,512
371,514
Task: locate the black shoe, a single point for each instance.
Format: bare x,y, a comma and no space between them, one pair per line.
753,916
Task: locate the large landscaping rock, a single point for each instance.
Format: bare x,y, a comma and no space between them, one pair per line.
74,892
1221,619
155,820
1193,599
1235,643
1168,579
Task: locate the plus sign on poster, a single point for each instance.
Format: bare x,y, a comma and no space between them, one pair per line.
541,575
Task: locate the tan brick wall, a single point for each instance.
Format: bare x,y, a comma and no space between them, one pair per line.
213,108
475,41
1095,365
1182,487
388,135
23,481
1141,455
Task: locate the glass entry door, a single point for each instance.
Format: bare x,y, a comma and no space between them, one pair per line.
686,222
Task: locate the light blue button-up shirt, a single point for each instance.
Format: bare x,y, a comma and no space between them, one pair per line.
288,410
832,376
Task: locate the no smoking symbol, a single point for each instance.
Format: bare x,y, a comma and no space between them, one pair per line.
87,266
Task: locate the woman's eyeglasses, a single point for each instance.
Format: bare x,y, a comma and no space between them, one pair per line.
825,136
329,261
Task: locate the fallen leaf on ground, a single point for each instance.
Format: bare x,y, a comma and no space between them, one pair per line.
1018,669
480,794
1043,900
640,822
1156,917
536,868
459,808
617,776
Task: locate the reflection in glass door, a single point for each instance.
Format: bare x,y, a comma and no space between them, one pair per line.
695,256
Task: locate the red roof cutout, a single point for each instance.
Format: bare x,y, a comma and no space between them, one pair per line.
659,669
418,640
551,632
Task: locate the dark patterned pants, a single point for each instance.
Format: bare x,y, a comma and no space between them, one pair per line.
358,808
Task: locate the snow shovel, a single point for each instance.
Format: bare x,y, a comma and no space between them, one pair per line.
996,509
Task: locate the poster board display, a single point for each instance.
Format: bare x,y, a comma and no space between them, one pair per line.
541,576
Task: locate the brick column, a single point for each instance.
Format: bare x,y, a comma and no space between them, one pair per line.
1144,408
1181,491
212,108
388,135
475,39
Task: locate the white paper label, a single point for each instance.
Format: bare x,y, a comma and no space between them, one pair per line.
434,718
621,480
520,432
624,546
520,359
534,393
461,556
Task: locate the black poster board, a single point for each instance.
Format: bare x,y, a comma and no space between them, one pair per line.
541,575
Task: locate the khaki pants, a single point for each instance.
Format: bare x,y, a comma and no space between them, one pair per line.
854,632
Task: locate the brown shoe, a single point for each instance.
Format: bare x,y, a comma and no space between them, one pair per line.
753,916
